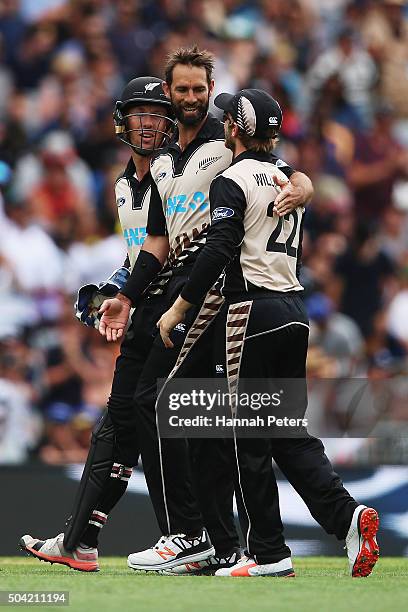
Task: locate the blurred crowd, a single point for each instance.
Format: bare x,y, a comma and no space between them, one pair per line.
339,68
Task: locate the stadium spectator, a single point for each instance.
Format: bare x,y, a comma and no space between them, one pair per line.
379,160
339,70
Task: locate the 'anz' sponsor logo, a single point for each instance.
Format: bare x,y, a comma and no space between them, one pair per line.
181,204
222,212
120,201
135,236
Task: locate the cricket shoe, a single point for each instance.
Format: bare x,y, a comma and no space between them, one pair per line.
361,542
53,551
171,551
247,566
208,567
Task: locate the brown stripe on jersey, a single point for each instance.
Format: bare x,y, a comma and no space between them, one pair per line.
233,349
240,309
236,327
236,323
208,311
236,337
186,243
234,360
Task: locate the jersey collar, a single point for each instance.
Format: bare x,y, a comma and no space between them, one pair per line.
210,129
130,173
259,156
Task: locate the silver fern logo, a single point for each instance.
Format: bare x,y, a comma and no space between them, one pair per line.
151,86
205,163
246,118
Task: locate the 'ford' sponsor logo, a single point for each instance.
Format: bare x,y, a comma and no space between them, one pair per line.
222,213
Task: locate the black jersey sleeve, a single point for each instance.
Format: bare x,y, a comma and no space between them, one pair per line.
226,232
282,165
156,221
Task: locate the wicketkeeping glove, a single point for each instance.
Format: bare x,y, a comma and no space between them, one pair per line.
90,297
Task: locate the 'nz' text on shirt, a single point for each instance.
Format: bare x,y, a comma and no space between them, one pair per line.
181,204
135,236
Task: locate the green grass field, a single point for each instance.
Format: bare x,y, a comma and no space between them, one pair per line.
321,585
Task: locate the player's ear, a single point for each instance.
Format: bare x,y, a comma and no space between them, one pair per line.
166,89
211,87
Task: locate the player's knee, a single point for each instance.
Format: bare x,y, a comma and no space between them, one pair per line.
122,411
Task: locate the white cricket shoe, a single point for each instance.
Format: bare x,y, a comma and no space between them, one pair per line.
207,567
53,551
248,567
171,551
361,542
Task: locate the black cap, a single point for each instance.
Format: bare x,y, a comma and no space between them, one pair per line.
255,111
143,90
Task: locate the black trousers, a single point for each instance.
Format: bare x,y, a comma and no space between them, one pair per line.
190,484
275,346
134,351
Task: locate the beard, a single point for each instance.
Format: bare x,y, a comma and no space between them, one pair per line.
229,141
190,120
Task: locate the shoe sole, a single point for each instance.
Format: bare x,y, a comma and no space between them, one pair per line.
368,524
75,565
202,556
244,573
204,571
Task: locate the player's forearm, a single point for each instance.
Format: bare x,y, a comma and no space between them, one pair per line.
157,246
205,273
148,264
305,186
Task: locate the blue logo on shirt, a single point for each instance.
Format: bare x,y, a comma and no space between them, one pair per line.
180,203
222,212
135,236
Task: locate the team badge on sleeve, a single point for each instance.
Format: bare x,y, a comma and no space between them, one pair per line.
222,212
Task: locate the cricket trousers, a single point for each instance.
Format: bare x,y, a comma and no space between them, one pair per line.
187,491
115,447
272,333
134,351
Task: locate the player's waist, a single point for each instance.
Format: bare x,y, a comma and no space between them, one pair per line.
253,293
182,268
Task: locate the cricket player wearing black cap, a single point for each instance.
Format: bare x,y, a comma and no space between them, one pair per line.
266,328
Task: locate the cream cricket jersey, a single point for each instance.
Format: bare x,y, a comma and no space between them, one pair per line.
258,249
132,199
180,205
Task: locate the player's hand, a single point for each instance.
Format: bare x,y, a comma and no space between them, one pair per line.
289,198
115,315
168,322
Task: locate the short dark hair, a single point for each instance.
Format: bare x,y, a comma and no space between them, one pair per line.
265,145
189,56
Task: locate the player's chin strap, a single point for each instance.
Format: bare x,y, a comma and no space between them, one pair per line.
91,297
